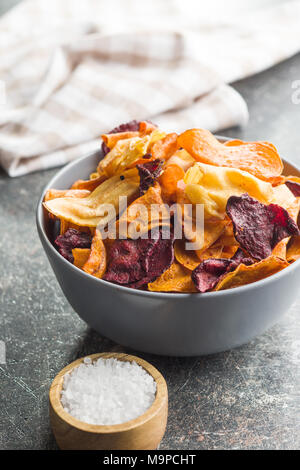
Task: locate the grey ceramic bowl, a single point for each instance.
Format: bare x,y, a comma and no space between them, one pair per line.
168,324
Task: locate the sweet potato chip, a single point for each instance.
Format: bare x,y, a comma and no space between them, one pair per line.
55,193
139,218
181,158
134,263
187,258
175,279
168,181
80,256
293,249
89,211
111,139
165,148
280,249
212,186
96,263
259,227
149,173
258,158
243,274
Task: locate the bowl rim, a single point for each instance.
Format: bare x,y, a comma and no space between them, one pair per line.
132,291
160,400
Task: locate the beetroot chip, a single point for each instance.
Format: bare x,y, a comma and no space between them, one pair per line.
149,172
259,227
131,126
134,263
207,275
293,187
71,239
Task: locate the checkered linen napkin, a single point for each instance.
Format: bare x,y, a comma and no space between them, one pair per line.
71,70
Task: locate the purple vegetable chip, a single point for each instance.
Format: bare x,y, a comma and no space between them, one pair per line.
72,238
134,263
293,187
207,275
149,172
131,126
259,227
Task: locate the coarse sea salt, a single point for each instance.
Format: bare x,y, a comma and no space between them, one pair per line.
107,391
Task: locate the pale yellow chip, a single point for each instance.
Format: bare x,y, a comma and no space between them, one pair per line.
212,186
91,211
243,274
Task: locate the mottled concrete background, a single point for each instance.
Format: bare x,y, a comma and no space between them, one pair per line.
247,398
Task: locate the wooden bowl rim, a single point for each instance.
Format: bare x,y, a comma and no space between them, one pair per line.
159,401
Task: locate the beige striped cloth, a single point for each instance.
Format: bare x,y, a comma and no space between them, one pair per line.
71,70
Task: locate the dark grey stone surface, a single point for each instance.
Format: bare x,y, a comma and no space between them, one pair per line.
247,398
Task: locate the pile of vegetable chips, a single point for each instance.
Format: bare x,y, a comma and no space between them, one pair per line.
249,212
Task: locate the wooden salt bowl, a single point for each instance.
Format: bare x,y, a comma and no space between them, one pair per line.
144,432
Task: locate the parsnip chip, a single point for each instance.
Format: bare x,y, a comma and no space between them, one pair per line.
212,186
111,139
243,274
186,258
258,158
90,211
81,256
181,158
140,217
175,279
96,263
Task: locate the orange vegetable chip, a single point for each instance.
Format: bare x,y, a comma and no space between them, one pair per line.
96,263
169,179
258,158
164,148
140,218
81,256
174,279
255,272
186,258
55,193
